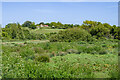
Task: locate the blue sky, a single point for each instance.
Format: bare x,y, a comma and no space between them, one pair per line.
60,0
65,12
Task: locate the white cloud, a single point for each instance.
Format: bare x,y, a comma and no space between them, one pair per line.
60,0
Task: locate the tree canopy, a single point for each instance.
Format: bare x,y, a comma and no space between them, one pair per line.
96,29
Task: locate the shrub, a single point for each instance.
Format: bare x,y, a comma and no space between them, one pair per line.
93,52
37,36
100,32
70,51
25,42
70,35
39,50
62,53
103,52
42,58
89,49
118,53
16,45
81,42
47,46
104,45
115,45
52,54
30,57
26,52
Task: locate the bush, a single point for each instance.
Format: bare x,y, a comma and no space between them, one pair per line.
39,50
70,51
42,58
115,45
81,42
47,46
62,53
118,53
26,52
89,49
37,36
104,45
70,35
25,42
93,52
100,32
103,52
52,54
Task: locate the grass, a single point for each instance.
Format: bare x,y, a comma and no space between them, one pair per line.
24,60
69,66
22,42
43,31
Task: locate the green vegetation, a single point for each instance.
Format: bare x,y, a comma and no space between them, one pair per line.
60,50
73,34
61,60
43,31
28,30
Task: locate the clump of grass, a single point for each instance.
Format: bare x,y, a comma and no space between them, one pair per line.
62,53
52,54
82,42
93,52
26,52
103,52
39,50
47,46
104,45
70,51
42,58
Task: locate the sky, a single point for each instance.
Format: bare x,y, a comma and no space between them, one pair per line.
60,0
65,12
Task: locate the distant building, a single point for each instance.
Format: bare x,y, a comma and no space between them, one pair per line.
44,25
41,25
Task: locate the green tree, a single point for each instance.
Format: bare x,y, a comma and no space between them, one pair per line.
100,31
41,23
27,24
70,35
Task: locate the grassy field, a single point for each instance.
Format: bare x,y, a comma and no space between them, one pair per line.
25,41
43,31
61,59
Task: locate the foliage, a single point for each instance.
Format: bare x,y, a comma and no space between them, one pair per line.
73,34
29,24
42,58
103,52
72,53
39,50
100,31
52,59
15,31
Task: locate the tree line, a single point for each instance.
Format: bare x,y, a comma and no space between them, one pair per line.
94,28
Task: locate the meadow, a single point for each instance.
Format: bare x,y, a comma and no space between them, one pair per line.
80,59
89,50
43,31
